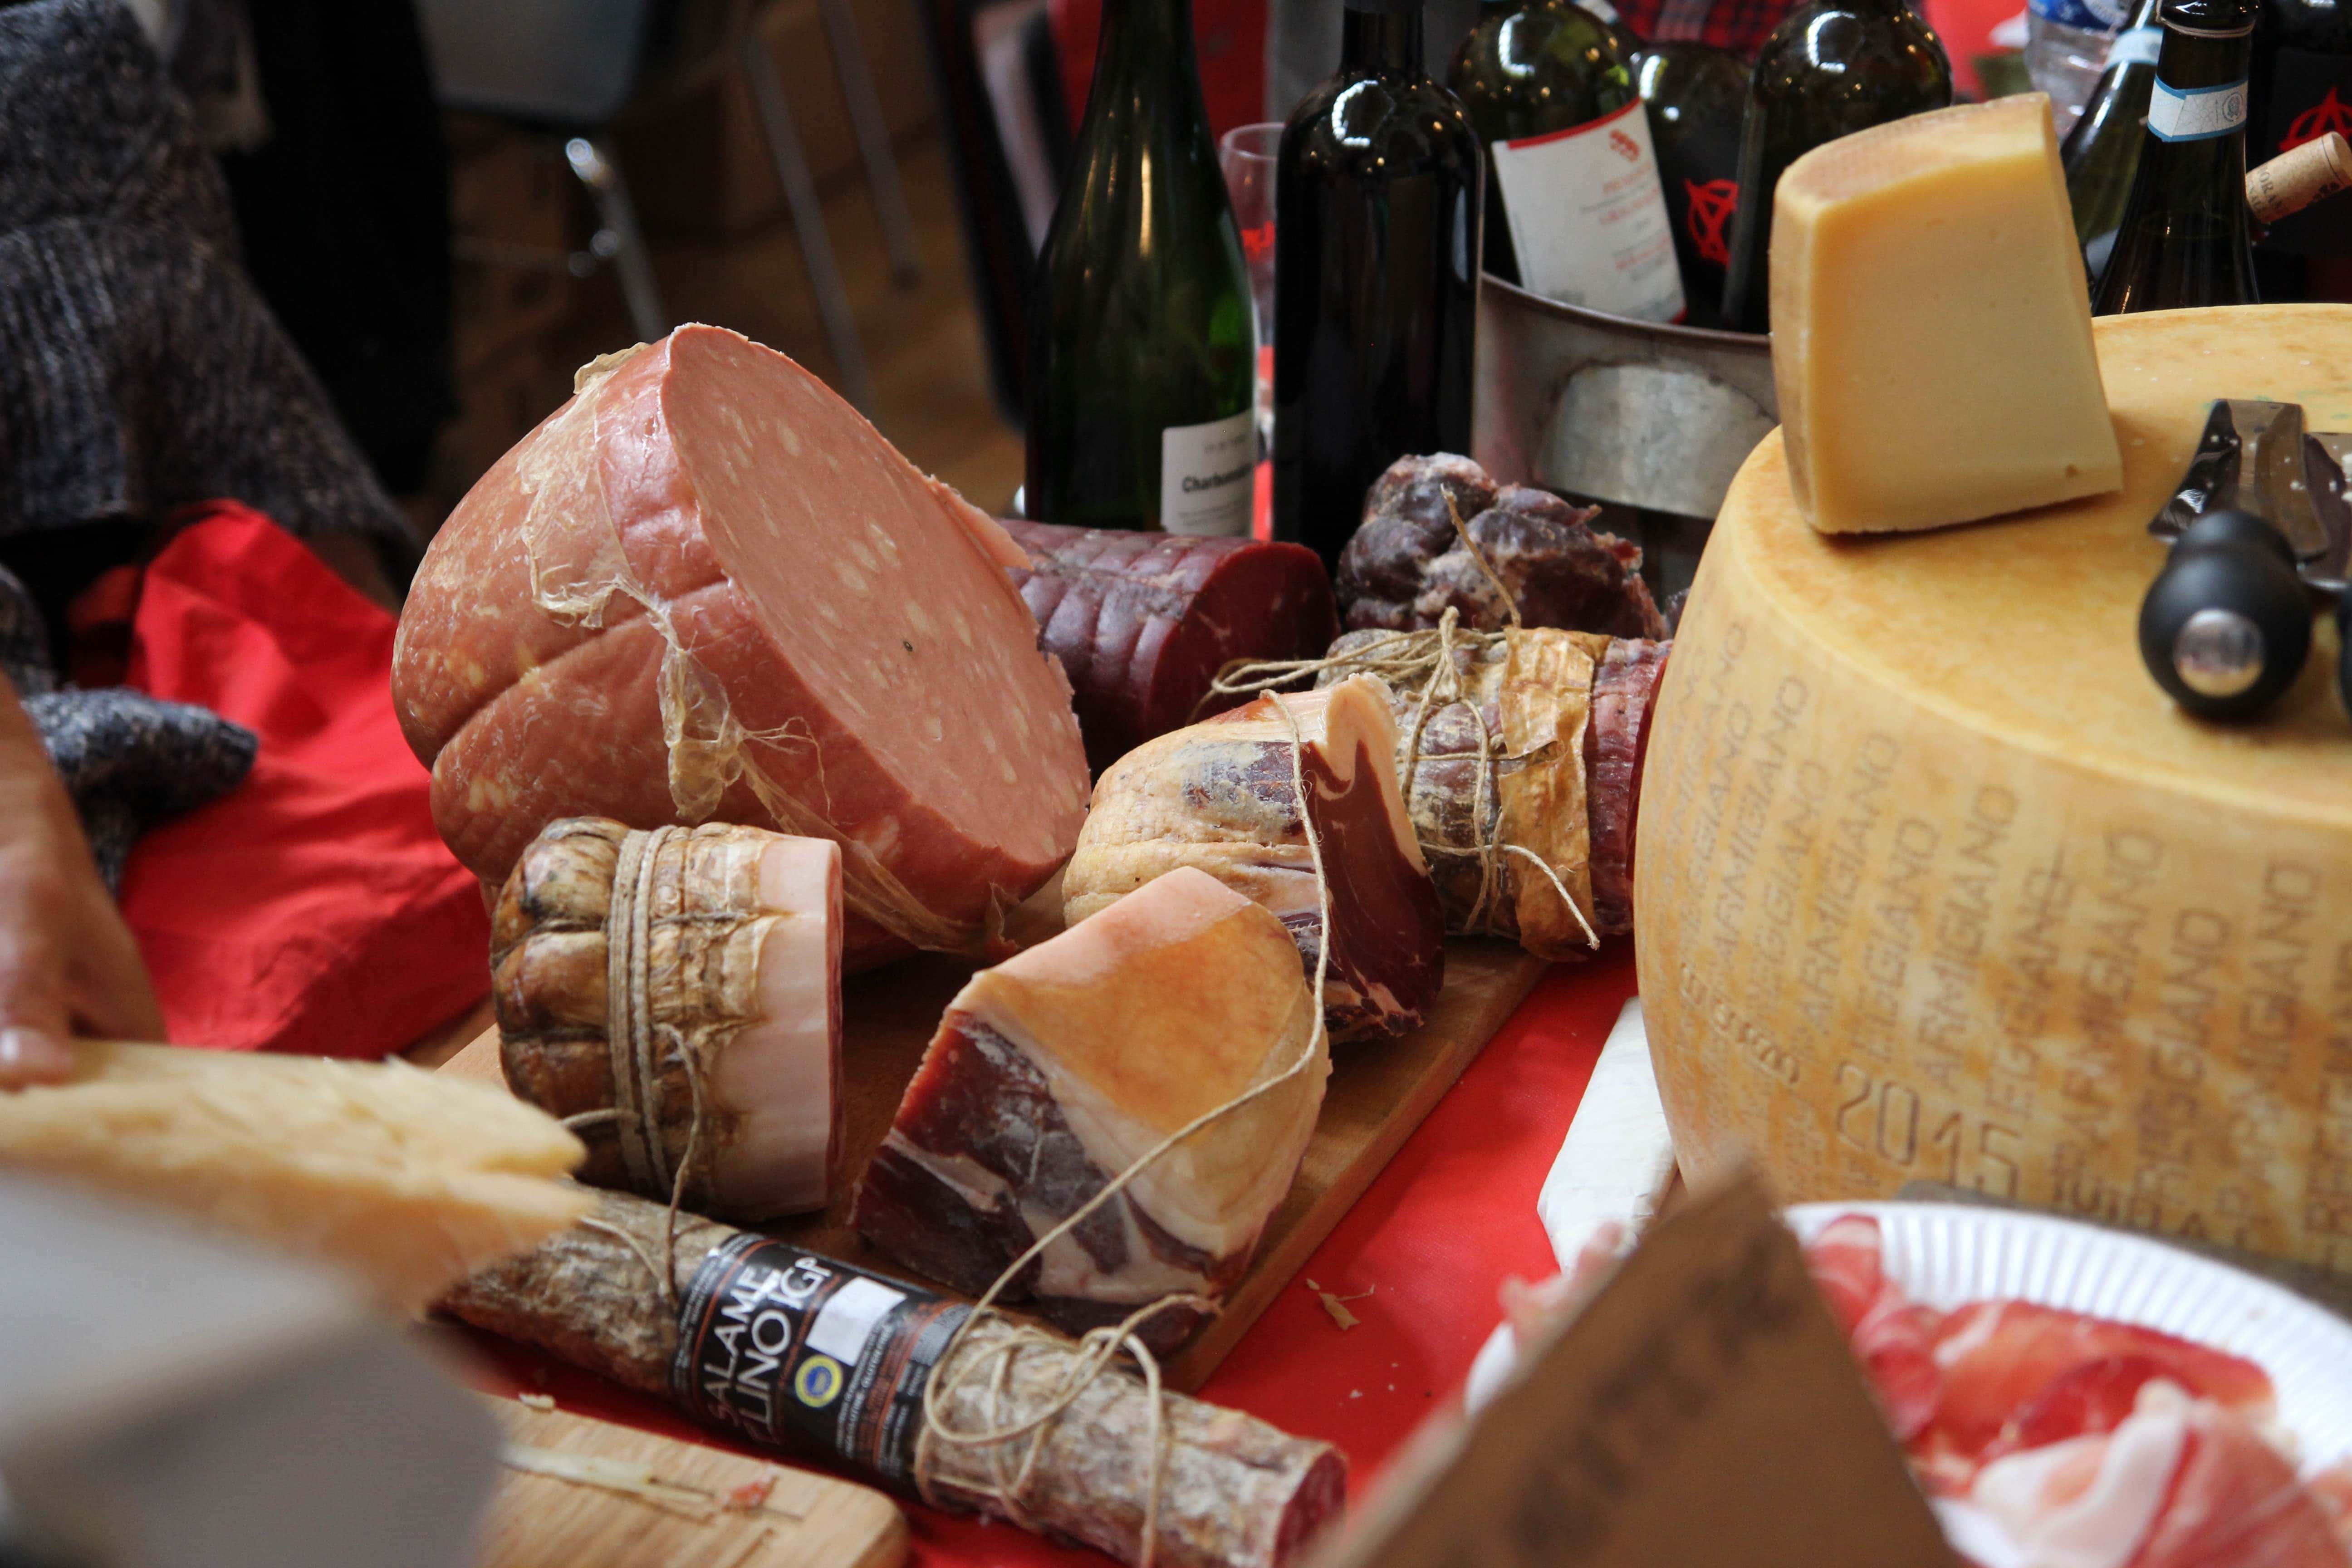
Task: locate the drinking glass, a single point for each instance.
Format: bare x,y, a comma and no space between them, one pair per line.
1246,154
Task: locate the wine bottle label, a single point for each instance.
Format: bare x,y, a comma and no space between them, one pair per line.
1207,474
2136,47
2307,95
1602,9
1589,218
2196,113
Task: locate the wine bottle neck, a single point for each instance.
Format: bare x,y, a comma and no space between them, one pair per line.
1141,38
1386,38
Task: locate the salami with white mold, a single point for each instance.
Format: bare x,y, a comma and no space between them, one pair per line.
1220,795
854,1354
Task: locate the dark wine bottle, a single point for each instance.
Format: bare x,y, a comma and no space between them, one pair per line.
1830,68
1376,245
1697,94
2184,238
1574,209
1621,37
2102,152
2301,89
1142,337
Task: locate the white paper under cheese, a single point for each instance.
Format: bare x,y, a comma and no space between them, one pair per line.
1936,883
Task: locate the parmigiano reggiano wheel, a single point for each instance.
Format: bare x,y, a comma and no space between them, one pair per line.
1935,883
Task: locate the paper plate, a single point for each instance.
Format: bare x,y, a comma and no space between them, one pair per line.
1946,1254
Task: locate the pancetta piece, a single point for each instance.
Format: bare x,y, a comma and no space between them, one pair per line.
1144,621
705,589
733,935
1220,795
1055,1070
1405,565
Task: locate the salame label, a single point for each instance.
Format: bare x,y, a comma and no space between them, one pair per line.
1208,475
799,1351
2196,113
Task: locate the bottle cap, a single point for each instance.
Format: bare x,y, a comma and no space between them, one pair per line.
2298,177
2208,18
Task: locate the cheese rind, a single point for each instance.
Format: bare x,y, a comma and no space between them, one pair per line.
409,1179
1932,346
1937,884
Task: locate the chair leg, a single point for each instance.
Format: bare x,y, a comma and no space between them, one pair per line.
592,160
808,220
873,141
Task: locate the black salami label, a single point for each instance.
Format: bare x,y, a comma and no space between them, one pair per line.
801,1353
2308,96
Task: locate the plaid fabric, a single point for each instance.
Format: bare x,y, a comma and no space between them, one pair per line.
1738,25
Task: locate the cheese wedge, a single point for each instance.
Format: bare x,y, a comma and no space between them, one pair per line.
408,1179
1931,327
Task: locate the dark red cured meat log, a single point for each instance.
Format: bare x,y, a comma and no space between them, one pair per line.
1616,744
1406,567
1142,622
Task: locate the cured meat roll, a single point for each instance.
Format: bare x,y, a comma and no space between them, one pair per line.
850,1381
1144,621
1058,1069
706,590
1220,795
1405,565
1547,767
675,995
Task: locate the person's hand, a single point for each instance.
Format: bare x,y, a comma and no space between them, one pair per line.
67,963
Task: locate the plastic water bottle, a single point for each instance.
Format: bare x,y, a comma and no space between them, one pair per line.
2066,49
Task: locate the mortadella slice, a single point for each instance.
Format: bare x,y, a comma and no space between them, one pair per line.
1220,795
735,937
705,589
1144,621
1055,1070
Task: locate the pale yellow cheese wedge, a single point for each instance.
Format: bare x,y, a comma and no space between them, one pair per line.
1931,328
408,1179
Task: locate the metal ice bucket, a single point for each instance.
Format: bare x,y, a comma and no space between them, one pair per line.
1652,416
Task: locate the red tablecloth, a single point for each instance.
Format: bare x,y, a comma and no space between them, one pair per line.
1454,1212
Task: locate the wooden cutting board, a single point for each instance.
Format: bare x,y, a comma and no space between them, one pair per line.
782,1518
1379,1093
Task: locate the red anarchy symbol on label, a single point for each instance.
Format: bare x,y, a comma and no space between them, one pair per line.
1711,206
1625,146
2328,114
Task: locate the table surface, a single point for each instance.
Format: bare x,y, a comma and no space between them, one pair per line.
1418,1261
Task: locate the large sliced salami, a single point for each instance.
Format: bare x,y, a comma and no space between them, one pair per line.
801,1352
705,589
1144,621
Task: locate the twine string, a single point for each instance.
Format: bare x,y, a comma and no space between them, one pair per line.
1098,1348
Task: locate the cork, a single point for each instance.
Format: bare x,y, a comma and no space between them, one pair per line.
2298,177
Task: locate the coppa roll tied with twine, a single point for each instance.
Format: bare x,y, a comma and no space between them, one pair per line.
976,1411
1490,754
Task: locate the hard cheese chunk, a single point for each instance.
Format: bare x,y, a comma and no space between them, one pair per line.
1058,1069
408,1179
1931,325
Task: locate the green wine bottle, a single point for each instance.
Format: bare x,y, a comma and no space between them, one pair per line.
1830,68
1621,37
1142,340
2186,238
1697,94
1569,159
2102,152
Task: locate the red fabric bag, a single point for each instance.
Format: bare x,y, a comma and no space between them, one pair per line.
313,908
